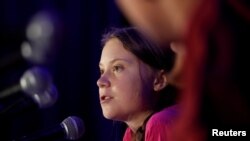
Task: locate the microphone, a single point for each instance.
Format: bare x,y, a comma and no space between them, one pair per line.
33,102
34,80
71,128
42,34
41,46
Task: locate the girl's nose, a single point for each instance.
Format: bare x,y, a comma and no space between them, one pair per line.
103,82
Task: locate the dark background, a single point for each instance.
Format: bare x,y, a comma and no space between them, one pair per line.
74,67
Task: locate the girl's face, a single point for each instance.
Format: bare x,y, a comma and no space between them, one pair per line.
123,91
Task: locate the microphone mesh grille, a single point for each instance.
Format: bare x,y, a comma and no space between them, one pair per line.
74,127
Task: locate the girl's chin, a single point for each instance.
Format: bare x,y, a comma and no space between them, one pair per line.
110,115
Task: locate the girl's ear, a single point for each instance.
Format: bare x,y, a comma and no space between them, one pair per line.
160,81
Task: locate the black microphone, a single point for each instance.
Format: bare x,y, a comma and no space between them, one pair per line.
34,80
71,128
31,102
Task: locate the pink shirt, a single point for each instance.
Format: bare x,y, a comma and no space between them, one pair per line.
158,126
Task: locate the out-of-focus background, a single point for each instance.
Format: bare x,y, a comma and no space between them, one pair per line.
68,45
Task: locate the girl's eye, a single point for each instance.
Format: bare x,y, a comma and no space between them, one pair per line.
117,68
101,71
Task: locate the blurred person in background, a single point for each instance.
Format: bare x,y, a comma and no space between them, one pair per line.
214,35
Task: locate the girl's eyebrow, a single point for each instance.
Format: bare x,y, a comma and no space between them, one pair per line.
115,60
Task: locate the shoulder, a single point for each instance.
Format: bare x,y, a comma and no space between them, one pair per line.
162,119
127,135
159,125
167,116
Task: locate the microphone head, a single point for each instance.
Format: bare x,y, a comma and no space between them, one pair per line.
45,99
74,127
35,80
42,34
